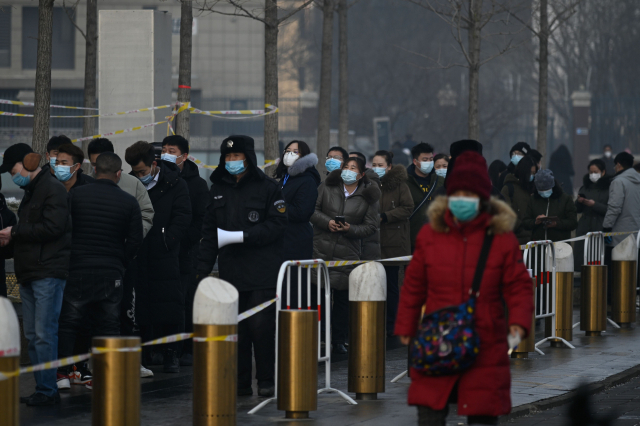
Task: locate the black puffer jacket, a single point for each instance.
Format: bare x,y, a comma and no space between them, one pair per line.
7,218
300,193
159,293
107,227
42,237
256,206
559,205
200,199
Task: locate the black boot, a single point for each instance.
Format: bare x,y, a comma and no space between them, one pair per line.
171,361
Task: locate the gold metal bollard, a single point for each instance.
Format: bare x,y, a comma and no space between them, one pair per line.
366,349
593,299
115,399
298,363
623,292
564,307
9,363
367,335
215,362
529,343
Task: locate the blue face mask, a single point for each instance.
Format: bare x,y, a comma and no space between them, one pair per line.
349,177
464,208
531,178
546,194
52,161
332,164
20,180
380,171
441,172
63,173
426,167
515,159
235,167
146,179
169,157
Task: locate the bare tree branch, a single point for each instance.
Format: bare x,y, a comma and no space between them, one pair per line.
293,12
70,15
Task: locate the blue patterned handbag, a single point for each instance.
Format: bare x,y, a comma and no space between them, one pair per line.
446,342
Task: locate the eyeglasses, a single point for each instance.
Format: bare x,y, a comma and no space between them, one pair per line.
335,157
295,151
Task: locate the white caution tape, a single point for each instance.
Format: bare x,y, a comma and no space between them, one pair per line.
111,114
227,338
118,132
169,339
206,166
255,310
8,102
231,115
99,350
9,352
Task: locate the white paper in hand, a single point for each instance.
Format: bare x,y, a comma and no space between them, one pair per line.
513,341
229,237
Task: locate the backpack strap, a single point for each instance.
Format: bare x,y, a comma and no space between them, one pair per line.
426,197
482,262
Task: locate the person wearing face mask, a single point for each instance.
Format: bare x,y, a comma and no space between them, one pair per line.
160,296
396,205
517,190
607,158
51,155
551,213
107,233
251,207
592,201
423,182
440,164
299,180
40,243
441,273
175,149
335,158
68,168
516,153
349,195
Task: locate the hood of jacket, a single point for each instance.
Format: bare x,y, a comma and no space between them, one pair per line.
394,178
169,172
630,175
370,192
603,183
303,164
557,191
503,219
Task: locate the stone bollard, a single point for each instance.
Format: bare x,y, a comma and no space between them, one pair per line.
623,291
367,335
564,294
9,363
215,353
115,400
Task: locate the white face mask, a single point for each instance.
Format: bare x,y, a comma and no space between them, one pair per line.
607,154
290,158
594,177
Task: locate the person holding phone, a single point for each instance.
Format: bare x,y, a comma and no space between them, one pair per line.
346,212
551,213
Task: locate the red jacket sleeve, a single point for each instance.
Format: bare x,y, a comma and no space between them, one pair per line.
517,285
413,294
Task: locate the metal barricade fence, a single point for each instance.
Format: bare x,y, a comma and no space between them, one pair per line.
322,283
594,249
541,259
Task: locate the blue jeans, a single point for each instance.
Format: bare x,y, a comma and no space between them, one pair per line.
41,304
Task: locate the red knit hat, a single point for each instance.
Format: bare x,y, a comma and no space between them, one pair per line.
470,174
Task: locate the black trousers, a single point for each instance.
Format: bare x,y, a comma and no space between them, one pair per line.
258,332
190,286
340,316
393,296
90,297
128,325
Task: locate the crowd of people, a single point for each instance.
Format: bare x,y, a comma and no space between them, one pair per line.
111,253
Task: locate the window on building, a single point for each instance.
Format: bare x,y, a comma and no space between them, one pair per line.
5,37
238,104
175,25
63,39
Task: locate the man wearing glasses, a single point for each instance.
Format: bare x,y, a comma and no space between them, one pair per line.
335,158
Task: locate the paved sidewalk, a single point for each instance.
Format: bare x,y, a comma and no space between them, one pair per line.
539,383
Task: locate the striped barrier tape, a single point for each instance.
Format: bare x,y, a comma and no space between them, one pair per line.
111,114
9,352
228,338
118,132
272,109
8,102
99,350
253,311
169,339
206,166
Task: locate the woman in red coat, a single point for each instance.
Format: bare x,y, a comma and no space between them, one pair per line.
441,274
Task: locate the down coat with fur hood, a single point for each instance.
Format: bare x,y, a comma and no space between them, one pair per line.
440,275
360,211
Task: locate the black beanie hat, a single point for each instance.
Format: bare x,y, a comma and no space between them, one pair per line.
520,146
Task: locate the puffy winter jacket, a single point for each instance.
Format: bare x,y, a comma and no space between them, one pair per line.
371,249
440,275
360,211
200,199
518,199
396,205
132,186
560,205
592,217
623,213
418,193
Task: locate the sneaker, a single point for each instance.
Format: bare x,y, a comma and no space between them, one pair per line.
25,399
63,383
145,372
171,362
267,392
81,375
41,400
74,374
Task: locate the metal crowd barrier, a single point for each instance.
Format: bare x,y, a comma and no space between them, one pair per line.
541,259
322,282
594,249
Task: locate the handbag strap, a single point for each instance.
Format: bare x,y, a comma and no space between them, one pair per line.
482,262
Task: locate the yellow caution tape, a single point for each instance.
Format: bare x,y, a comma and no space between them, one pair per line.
133,111
581,238
206,166
227,338
7,102
255,310
272,109
100,350
117,132
169,339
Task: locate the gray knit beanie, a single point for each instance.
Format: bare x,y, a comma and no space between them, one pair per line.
544,180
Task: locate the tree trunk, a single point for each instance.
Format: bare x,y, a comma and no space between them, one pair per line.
543,83
475,9
343,83
42,109
184,71
90,60
324,103
271,151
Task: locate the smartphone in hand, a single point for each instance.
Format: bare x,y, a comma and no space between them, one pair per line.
340,220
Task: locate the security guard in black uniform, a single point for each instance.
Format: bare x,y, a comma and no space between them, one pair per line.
251,206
